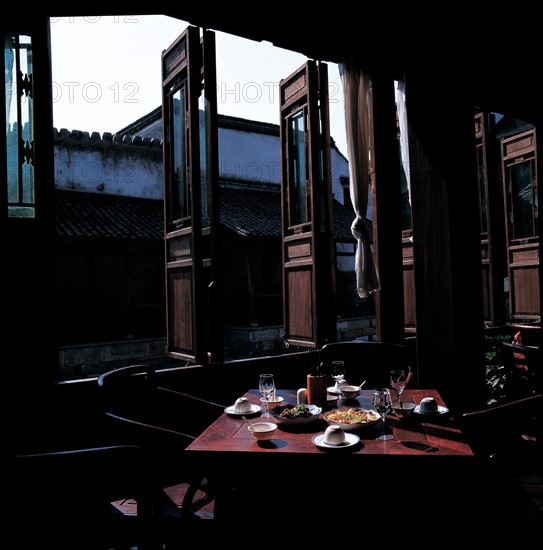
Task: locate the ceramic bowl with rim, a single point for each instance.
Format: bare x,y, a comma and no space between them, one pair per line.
334,435
403,409
349,392
352,418
262,430
295,415
428,405
242,405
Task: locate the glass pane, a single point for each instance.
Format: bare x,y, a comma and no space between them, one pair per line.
522,199
178,184
204,181
482,193
19,125
298,206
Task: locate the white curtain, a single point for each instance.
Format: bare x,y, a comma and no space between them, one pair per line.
355,90
402,120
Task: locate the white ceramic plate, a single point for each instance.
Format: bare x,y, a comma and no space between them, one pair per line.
275,401
350,440
233,412
440,410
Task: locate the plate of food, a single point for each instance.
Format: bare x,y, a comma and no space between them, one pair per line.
352,418
295,415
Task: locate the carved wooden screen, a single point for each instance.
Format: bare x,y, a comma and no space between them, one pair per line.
194,327
308,252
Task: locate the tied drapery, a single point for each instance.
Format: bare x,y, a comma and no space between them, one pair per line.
355,90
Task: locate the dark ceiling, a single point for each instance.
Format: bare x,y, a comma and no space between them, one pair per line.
493,59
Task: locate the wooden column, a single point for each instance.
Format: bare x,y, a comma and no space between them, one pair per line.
447,260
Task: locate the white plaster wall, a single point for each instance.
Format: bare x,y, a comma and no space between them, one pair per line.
256,157
121,169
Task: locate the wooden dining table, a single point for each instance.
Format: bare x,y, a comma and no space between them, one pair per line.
427,453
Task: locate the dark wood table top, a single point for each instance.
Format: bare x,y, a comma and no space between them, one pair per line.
438,437
427,454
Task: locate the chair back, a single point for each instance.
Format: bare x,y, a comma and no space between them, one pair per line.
508,435
369,361
523,367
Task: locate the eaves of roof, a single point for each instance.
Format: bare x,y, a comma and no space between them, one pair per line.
244,213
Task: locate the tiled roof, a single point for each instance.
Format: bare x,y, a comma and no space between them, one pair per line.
94,216
245,212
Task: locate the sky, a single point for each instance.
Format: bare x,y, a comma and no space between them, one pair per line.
106,73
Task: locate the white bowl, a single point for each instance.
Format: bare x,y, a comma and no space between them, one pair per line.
352,418
242,405
350,392
262,430
403,409
334,435
428,405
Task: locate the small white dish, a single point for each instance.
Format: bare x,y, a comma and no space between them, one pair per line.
350,440
332,389
273,401
440,410
232,411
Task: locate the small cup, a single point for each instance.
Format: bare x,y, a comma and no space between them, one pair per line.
428,405
242,405
334,435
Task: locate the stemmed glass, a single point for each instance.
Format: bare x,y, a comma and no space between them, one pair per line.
338,374
337,371
266,385
398,380
382,403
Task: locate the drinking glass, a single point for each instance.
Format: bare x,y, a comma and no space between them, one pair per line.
338,374
382,403
337,371
398,380
266,385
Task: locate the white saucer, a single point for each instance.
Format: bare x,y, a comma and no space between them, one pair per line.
233,412
350,440
273,401
440,410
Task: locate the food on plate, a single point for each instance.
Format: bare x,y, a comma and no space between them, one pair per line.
296,411
353,416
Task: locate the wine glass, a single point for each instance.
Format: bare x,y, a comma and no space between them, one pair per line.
266,385
338,374
382,402
337,371
398,380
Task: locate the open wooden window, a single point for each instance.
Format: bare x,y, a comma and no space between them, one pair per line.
520,192
308,246
193,301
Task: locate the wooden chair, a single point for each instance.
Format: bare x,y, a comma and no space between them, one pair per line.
508,446
523,370
163,422
64,499
369,361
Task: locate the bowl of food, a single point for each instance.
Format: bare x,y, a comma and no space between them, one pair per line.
295,415
350,392
262,430
403,409
352,418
